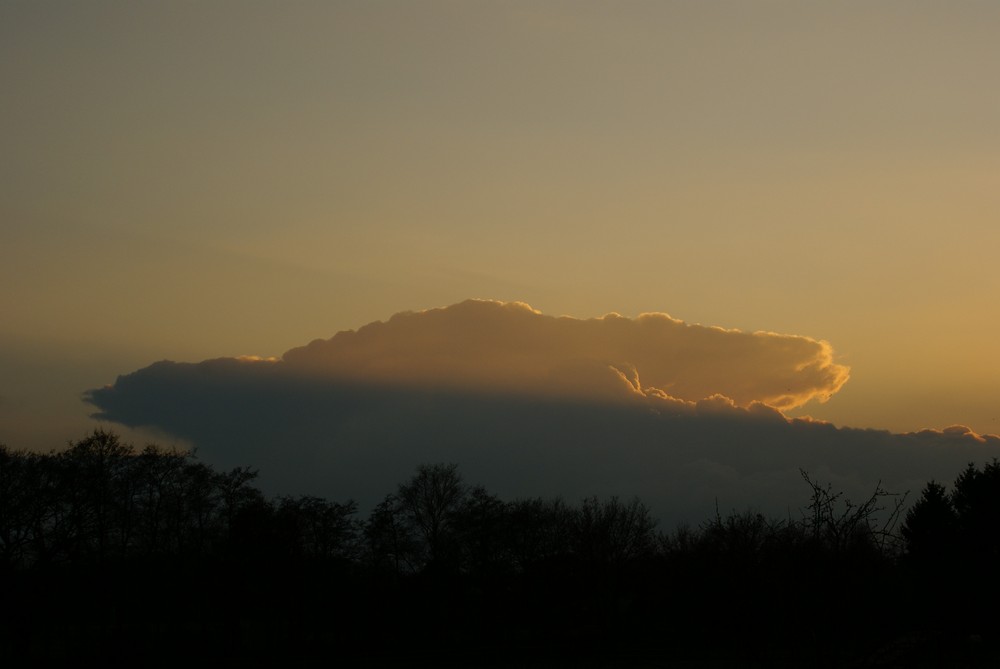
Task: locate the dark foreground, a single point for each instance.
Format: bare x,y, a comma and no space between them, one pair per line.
153,559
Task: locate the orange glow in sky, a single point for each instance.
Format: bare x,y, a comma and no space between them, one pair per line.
193,181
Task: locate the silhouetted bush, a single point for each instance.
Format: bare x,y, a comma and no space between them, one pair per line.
953,549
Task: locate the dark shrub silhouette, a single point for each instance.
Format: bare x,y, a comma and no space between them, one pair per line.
976,499
931,525
953,548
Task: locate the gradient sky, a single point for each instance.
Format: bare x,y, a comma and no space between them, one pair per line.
192,180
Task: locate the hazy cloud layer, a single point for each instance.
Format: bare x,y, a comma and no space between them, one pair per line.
352,416
498,346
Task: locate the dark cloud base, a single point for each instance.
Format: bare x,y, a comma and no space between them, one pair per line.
353,440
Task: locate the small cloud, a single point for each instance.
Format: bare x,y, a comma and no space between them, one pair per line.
717,405
954,433
255,358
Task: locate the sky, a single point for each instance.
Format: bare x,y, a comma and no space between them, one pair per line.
191,181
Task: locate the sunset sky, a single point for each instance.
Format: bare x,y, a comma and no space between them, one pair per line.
186,181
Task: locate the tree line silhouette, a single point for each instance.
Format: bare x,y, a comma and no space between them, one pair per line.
115,553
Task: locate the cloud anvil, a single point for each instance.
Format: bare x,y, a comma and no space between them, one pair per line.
493,346
535,405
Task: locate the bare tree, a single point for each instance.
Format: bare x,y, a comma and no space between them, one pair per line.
613,531
840,524
19,504
389,539
316,528
430,500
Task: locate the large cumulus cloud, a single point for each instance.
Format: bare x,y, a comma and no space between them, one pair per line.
528,404
499,346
